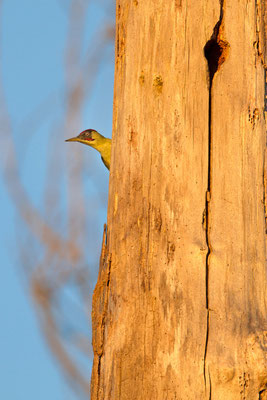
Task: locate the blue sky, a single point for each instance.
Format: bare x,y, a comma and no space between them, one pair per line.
33,56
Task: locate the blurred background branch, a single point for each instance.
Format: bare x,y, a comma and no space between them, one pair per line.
59,212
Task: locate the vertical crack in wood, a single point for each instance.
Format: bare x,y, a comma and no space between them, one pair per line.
262,394
260,46
210,386
261,27
215,51
264,176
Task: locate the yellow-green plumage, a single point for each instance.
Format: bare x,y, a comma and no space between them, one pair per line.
92,138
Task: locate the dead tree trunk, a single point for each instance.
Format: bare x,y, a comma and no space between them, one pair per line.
179,310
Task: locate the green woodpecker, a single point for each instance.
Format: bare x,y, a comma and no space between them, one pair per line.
94,139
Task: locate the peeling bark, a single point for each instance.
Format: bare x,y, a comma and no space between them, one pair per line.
99,315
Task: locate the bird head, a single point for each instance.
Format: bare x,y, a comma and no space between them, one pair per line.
89,136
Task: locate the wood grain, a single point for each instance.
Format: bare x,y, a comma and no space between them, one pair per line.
179,310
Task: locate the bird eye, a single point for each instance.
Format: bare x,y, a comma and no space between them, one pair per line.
86,135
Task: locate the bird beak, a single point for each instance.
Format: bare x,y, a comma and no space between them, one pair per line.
74,139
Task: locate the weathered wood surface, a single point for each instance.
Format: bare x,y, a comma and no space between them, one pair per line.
179,310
